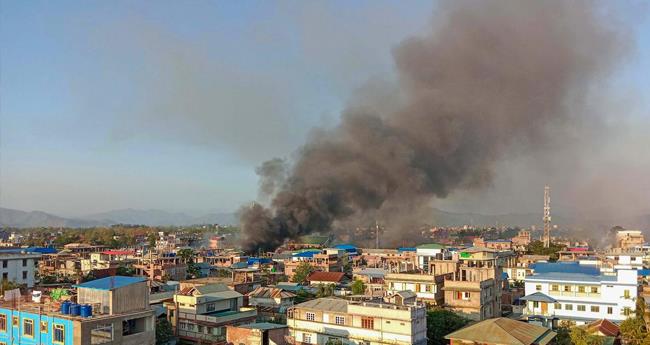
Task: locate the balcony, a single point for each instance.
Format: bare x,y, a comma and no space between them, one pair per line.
574,294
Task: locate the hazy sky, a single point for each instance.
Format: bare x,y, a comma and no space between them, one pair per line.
172,104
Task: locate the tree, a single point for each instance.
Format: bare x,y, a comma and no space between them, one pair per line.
164,331
358,287
125,271
325,290
579,336
633,330
334,342
537,248
563,336
303,270
441,322
151,239
640,307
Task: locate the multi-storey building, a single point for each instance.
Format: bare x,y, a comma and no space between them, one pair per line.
161,267
427,287
474,288
627,239
331,319
201,313
271,303
391,260
326,260
19,268
428,252
120,315
579,293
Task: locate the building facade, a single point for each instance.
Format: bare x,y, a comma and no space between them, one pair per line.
331,319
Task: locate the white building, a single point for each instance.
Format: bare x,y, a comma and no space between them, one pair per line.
331,319
430,251
579,293
19,268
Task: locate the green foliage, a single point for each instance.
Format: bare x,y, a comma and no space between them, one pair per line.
537,248
441,322
151,240
334,342
640,307
303,270
358,287
164,331
127,271
633,330
9,285
579,336
563,335
325,290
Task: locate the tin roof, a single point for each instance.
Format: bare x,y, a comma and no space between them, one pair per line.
110,283
504,331
334,277
538,297
605,327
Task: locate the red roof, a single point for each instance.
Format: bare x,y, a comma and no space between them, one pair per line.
118,252
334,277
605,327
578,249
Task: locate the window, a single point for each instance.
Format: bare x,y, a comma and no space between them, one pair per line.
595,309
626,294
3,322
24,262
24,275
466,296
28,327
555,288
535,304
594,289
568,306
339,320
581,289
610,310
290,313
582,307
627,311
368,322
567,288
43,326
58,333
557,306
4,263
310,316
210,307
306,338
5,276
538,287
15,321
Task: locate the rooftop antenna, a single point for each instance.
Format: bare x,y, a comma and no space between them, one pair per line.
547,216
376,235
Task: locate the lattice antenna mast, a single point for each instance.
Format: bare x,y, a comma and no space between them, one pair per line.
547,216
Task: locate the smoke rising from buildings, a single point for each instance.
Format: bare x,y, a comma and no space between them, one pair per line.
490,79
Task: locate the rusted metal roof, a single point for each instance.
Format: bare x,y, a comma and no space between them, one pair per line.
504,331
267,292
604,326
334,277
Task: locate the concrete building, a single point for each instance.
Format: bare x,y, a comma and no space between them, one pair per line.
579,293
428,288
201,313
325,260
324,319
271,303
428,252
262,333
628,239
19,268
474,289
121,315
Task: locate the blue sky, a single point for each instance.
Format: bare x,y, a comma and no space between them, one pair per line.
172,104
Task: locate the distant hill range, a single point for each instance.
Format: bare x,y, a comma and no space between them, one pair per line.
23,219
153,217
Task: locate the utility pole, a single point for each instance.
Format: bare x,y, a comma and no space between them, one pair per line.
547,217
376,235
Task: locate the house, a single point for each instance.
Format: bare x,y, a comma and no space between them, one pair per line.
579,293
430,251
627,239
271,303
262,333
325,278
201,312
427,287
501,331
326,260
120,315
351,322
19,268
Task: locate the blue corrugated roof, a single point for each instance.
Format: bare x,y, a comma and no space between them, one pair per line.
304,255
346,247
406,249
110,283
42,250
252,261
568,271
644,272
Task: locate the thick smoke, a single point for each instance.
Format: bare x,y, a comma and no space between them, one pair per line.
490,75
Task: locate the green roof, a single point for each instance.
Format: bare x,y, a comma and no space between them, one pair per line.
431,246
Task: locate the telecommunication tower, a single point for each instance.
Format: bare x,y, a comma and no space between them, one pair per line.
547,217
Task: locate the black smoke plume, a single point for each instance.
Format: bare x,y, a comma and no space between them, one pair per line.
489,76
